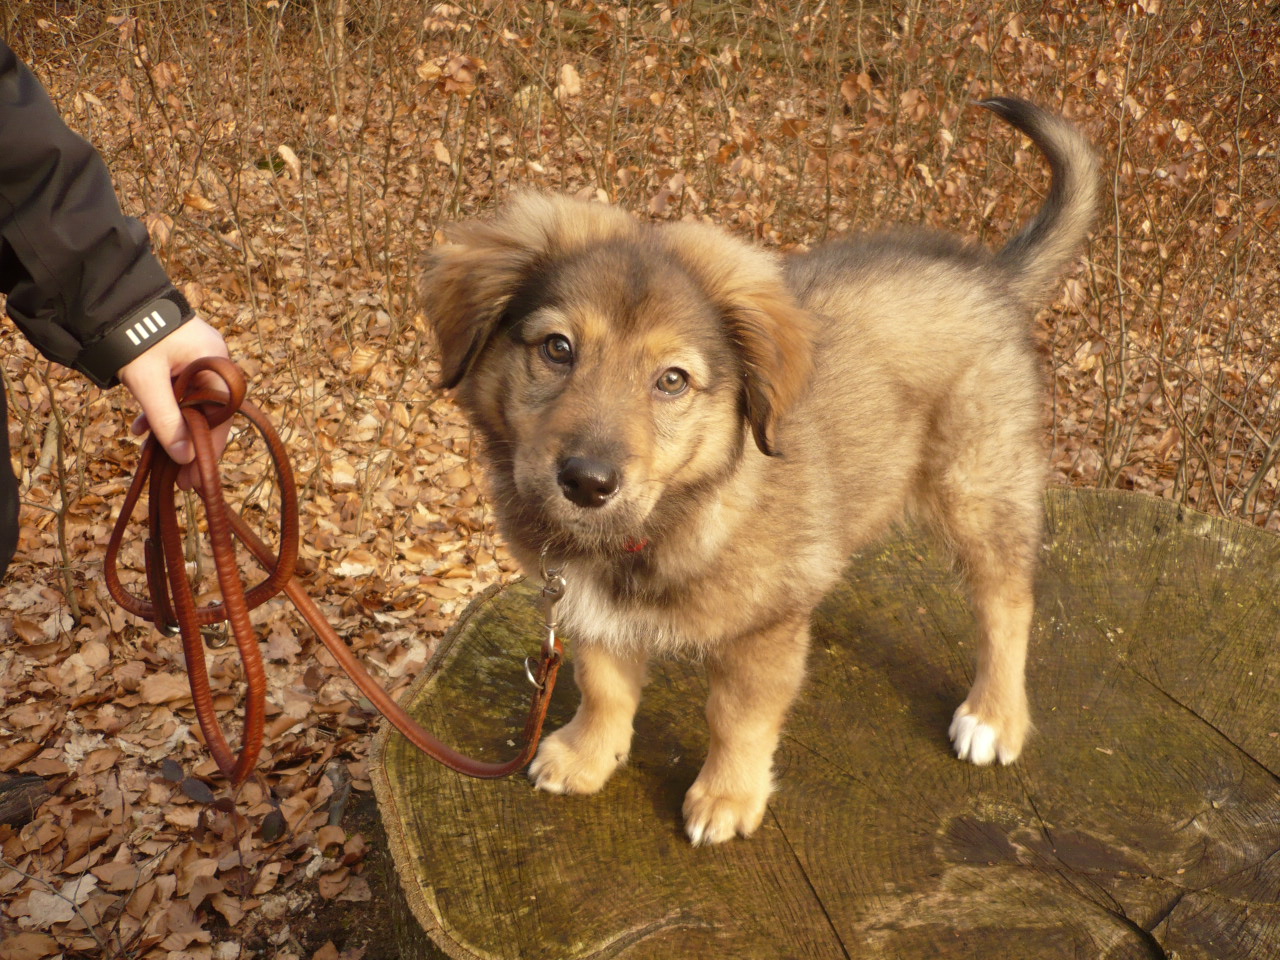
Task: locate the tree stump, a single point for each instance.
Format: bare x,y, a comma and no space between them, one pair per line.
1143,820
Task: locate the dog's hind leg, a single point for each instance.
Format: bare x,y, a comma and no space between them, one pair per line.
581,755
993,722
990,508
753,682
996,541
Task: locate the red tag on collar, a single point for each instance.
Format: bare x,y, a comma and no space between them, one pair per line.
635,546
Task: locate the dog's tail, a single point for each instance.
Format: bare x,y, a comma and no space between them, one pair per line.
1045,246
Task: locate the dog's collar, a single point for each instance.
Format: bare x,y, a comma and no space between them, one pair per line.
635,546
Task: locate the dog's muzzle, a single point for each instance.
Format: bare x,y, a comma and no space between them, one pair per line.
587,482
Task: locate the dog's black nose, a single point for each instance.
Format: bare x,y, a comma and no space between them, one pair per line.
587,482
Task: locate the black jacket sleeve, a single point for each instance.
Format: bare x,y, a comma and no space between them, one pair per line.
79,276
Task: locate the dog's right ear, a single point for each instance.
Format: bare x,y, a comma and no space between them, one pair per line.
468,284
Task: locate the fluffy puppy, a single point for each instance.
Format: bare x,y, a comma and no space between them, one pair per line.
700,433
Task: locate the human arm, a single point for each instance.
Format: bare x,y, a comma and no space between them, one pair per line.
79,277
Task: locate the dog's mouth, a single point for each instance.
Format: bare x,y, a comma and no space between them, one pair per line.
587,505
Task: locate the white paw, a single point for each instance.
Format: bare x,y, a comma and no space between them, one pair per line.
717,817
983,743
563,765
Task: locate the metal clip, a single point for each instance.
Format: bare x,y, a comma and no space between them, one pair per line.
552,593
531,673
553,587
214,638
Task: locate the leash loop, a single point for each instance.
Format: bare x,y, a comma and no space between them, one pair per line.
170,602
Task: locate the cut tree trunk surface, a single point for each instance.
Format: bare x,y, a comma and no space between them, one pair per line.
1143,820
20,797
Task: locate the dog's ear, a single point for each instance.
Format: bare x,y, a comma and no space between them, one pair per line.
774,336
468,284
771,332
465,289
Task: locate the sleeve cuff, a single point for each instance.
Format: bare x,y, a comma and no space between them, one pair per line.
129,339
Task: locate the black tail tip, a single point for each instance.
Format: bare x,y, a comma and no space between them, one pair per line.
1016,111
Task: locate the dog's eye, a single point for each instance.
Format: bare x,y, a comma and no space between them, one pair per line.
673,382
557,349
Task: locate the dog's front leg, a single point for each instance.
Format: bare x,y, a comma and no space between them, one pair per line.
580,756
753,682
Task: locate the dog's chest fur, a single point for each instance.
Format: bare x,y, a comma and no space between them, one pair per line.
595,610
686,598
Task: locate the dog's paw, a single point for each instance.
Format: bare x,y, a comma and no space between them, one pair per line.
714,817
983,739
569,764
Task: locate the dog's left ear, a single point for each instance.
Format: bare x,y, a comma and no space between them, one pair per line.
772,333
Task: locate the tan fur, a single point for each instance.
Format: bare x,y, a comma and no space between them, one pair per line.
827,394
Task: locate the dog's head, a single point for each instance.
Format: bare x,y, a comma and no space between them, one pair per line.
611,365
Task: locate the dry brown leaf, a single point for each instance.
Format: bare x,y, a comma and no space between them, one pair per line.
570,83
28,630
357,891
28,946
189,873
1168,440
202,888
334,883
117,876
291,161
98,761
331,840
199,202
441,592
267,879
282,644
232,909
45,909
362,359
17,753
160,688
185,817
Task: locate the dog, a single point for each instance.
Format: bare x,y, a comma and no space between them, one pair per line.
700,433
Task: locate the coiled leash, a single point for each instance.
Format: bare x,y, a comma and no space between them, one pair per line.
172,607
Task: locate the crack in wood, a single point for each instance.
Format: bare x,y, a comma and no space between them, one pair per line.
804,872
1208,723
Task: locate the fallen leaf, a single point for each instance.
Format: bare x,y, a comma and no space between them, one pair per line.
28,946
291,161
199,202
267,878
570,83
273,826
357,891
44,909
159,688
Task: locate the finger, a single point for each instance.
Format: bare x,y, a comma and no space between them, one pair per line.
189,475
160,411
189,478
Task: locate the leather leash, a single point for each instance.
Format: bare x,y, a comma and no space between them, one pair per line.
172,607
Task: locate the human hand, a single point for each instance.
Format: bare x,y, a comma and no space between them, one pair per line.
149,377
